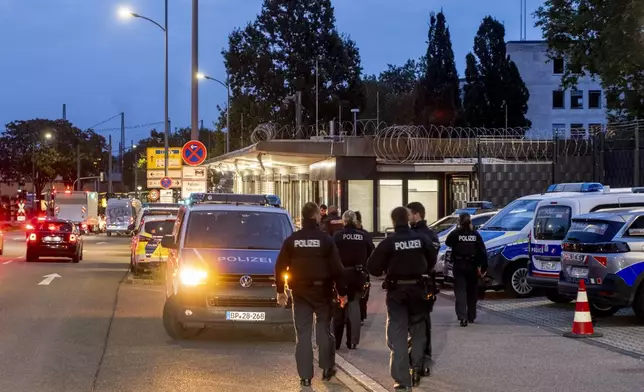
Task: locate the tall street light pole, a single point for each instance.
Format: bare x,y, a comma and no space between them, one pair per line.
227,86
194,132
126,13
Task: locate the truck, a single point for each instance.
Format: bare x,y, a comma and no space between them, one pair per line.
79,207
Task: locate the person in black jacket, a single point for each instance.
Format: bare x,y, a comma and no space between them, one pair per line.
469,258
419,224
332,222
311,260
365,298
355,247
405,257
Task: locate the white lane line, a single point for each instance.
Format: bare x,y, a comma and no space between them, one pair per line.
101,243
48,279
8,262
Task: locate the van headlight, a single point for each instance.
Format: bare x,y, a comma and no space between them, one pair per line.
191,276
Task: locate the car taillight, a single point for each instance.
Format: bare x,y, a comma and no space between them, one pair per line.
72,238
84,225
32,237
29,227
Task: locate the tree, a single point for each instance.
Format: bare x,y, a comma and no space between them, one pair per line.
438,99
275,56
50,145
602,39
495,94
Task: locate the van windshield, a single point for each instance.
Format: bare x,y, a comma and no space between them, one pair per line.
552,222
237,230
514,217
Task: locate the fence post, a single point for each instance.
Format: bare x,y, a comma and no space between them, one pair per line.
554,157
602,174
479,168
636,156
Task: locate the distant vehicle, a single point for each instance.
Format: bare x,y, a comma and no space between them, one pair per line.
155,209
55,237
79,207
121,215
147,252
1,242
221,267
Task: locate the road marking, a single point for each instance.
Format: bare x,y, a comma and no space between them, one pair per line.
101,243
20,239
48,279
8,262
354,374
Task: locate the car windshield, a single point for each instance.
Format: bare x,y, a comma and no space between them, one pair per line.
593,231
514,217
59,227
552,222
158,228
237,230
444,224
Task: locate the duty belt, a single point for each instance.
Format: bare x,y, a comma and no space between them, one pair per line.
408,281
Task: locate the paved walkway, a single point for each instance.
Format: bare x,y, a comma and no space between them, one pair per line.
498,354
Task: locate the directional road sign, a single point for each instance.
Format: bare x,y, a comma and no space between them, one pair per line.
193,153
166,182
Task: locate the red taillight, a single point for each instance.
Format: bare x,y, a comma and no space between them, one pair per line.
32,237
29,227
84,225
72,238
603,260
41,218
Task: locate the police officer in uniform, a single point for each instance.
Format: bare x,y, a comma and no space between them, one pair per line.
405,257
311,260
469,258
419,224
354,247
365,298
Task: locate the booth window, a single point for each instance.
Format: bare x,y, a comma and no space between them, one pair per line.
425,192
389,197
361,199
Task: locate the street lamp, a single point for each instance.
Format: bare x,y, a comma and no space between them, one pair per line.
355,121
127,13
227,86
48,136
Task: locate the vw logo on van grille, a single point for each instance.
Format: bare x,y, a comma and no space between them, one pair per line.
246,281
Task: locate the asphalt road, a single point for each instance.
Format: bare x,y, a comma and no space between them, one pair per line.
91,330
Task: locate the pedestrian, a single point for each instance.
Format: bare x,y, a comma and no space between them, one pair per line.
419,224
323,210
311,260
365,298
355,248
332,222
469,260
405,257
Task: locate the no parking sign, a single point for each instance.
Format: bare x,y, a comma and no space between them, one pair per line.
193,153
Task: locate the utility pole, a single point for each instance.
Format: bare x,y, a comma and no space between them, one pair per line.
122,144
109,165
242,131
201,124
136,169
64,111
298,111
194,133
317,82
78,163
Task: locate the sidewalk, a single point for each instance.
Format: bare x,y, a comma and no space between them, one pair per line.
497,354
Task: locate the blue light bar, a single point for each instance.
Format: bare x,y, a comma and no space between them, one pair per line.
576,187
274,200
236,198
480,205
470,211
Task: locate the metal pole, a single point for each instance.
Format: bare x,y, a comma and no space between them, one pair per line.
340,118
636,157
122,144
377,110
33,169
317,82
136,169
200,124
194,134
78,163
64,111
166,135
355,123
228,113
109,166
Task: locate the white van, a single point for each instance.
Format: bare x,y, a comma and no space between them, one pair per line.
120,215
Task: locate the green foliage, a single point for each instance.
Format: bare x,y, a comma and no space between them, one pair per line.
26,142
493,83
600,38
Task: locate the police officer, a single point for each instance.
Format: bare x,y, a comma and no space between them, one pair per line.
311,260
419,224
355,248
469,258
365,298
405,257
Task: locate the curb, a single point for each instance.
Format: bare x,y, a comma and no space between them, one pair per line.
352,377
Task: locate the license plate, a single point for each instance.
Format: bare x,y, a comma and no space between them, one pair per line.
548,265
450,273
52,239
245,316
579,272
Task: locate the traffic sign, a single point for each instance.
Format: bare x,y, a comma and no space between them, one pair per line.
156,183
166,182
193,153
153,195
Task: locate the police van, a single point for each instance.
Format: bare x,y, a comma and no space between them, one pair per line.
551,223
506,239
221,265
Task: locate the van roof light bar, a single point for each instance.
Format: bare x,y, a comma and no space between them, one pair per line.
583,187
235,198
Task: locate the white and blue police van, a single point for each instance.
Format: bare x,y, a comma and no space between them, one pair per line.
552,220
506,238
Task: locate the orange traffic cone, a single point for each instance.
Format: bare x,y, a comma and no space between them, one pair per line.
582,326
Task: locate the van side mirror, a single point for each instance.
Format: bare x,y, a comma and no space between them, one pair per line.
168,242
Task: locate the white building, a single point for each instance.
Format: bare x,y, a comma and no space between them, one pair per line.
570,113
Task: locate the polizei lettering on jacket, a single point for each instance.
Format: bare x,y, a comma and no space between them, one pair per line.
467,238
405,245
246,259
306,243
352,237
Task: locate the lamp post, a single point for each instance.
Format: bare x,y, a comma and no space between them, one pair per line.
47,136
126,13
227,86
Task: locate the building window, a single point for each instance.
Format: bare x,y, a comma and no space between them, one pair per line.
577,99
389,197
577,131
361,199
595,99
559,130
425,192
594,129
558,66
558,101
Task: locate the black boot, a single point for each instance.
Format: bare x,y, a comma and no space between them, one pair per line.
305,382
327,374
398,387
463,323
426,372
352,346
415,377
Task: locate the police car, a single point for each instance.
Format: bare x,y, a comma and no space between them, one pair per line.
221,265
147,252
551,223
606,249
506,239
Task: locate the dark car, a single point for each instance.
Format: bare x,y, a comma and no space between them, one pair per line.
54,238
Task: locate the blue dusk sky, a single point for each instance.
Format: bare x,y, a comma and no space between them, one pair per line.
79,53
